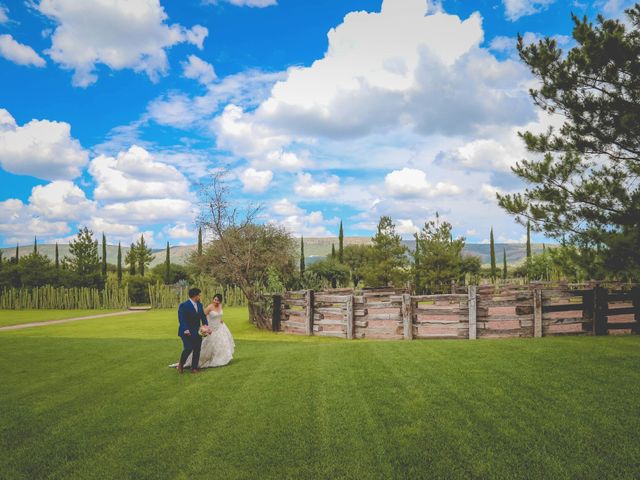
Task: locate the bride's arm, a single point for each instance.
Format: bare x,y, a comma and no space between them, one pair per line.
208,309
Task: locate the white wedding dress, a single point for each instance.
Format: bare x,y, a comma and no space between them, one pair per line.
217,349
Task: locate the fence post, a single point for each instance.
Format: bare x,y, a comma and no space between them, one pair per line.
308,321
349,317
276,314
537,313
407,316
600,307
473,312
635,298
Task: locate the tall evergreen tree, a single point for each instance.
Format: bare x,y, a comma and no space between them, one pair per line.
341,244
17,252
119,266
504,263
388,263
200,241
131,259
104,255
302,263
417,280
528,239
333,250
144,255
167,266
35,244
57,261
494,270
84,258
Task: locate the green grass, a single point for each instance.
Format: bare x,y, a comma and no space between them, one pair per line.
18,317
94,399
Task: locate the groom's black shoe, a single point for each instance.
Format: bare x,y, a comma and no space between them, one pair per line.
180,368
195,370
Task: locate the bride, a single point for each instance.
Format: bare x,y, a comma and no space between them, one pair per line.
217,348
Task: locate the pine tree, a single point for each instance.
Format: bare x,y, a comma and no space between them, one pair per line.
167,266
119,266
35,244
302,264
494,271
143,254
200,241
528,239
504,263
341,244
84,258
104,255
57,262
387,264
131,259
333,250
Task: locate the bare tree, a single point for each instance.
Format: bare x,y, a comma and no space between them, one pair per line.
241,250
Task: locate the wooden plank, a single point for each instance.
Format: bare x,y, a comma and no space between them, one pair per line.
330,334
384,316
537,313
620,297
623,326
309,313
407,316
441,298
621,311
440,311
295,313
570,307
328,322
473,318
329,310
298,302
383,304
350,318
324,298
361,324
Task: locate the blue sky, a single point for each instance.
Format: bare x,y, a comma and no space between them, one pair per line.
111,112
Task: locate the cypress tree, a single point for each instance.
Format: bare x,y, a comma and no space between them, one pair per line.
57,257
200,241
119,268
35,244
167,266
333,250
104,255
341,244
416,267
131,259
143,254
493,256
504,263
17,252
302,264
528,239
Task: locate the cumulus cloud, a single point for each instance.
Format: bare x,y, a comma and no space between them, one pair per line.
412,183
255,181
40,148
306,186
514,9
308,224
180,231
197,69
19,224
135,174
286,208
61,200
122,34
4,15
18,53
148,212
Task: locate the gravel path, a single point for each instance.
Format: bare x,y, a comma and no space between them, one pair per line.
66,320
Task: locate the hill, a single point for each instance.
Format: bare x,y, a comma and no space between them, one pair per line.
314,248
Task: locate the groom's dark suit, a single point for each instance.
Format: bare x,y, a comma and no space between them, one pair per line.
189,319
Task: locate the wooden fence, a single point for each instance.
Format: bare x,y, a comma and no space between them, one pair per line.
533,310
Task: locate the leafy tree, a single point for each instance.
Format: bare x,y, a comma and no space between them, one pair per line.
167,266
492,252
331,270
119,265
138,287
388,263
582,184
84,260
438,258
341,244
302,265
104,255
143,255
356,258
177,273
131,259
36,270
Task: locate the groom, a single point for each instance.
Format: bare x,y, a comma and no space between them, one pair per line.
190,314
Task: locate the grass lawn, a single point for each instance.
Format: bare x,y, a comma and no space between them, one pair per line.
17,317
94,399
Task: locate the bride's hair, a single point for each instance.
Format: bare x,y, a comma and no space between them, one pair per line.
218,296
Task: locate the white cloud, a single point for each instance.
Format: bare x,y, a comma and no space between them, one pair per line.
508,44
174,109
306,186
18,53
119,34
4,17
180,231
406,227
286,208
61,200
135,174
255,181
148,212
197,69
412,183
41,148
514,9
308,224
19,224
489,192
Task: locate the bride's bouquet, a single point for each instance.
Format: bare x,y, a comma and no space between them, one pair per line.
204,331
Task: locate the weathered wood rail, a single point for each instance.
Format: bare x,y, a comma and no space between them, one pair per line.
472,312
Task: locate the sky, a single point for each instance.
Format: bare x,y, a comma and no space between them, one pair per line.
114,112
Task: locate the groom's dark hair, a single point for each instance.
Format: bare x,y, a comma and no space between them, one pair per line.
193,292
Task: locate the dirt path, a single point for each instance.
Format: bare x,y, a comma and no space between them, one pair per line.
67,320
